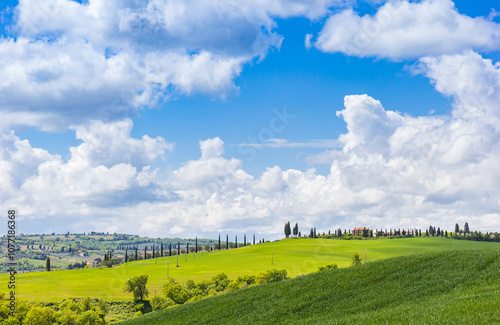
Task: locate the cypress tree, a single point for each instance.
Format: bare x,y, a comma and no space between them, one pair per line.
244,239
236,241
187,247
153,255
178,248
466,228
161,247
145,250
254,239
126,255
227,241
136,254
219,241
169,249
47,264
196,247
457,229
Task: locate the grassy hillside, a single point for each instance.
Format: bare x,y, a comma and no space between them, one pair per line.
298,257
451,287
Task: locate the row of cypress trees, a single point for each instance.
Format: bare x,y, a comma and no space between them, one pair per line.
163,250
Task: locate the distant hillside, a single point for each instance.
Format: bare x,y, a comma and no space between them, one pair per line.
450,287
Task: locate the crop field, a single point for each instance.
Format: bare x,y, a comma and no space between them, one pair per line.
297,256
450,287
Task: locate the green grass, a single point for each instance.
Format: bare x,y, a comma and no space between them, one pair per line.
298,257
450,287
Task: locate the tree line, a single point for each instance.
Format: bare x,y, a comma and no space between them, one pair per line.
464,233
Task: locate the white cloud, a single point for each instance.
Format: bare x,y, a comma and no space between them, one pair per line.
283,143
107,169
452,76
105,60
402,29
307,42
392,171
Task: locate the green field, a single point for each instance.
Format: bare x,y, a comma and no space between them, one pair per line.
297,256
451,287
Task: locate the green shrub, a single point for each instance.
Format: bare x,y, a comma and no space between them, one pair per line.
174,291
220,282
271,276
159,303
356,259
328,267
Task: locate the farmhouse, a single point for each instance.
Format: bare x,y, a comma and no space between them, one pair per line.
360,231
92,263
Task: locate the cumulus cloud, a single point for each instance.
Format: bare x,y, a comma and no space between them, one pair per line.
103,60
402,29
107,169
391,170
71,61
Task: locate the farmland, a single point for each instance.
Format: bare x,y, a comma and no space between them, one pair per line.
297,256
449,287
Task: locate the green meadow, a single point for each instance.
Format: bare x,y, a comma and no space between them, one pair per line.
297,256
450,287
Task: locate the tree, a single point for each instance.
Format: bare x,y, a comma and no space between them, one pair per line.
254,239
145,251
296,229
174,291
137,286
126,255
287,229
135,254
311,233
219,241
314,232
47,264
227,241
356,260
196,245
159,303
161,249
39,316
466,228
457,228
86,304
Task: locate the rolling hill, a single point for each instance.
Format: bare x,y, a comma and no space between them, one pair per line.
297,256
450,287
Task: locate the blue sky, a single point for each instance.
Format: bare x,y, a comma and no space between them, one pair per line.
211,80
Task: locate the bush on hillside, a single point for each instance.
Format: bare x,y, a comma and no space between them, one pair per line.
328,267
